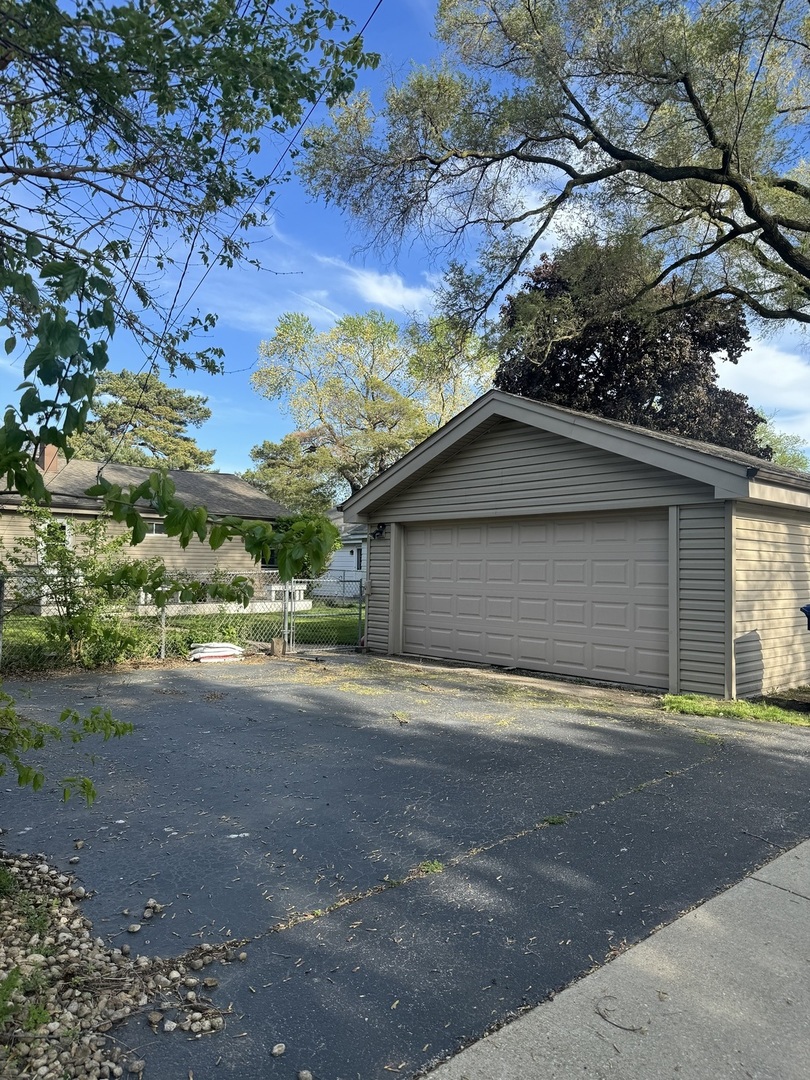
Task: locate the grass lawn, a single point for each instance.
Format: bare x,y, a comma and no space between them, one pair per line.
761,712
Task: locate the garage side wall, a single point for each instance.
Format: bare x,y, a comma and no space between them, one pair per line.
379,596
702,600
771,641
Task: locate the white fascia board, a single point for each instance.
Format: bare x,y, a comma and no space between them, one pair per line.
729,478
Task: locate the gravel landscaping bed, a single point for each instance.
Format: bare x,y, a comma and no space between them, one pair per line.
63,991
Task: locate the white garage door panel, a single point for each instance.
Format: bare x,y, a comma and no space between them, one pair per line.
583,595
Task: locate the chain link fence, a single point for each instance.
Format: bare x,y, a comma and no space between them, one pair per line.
303,615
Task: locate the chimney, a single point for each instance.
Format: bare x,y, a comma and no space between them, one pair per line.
48,458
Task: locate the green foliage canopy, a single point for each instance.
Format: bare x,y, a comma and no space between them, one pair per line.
365,392
129,140
296,474
568,338
682,124
138,420
786,449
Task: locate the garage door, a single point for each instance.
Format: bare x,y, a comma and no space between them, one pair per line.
576,595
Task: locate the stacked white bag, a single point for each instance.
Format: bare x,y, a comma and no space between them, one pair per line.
215,652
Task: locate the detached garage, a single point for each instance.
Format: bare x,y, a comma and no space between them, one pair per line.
530,536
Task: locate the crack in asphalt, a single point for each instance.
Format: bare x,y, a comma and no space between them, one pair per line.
297,918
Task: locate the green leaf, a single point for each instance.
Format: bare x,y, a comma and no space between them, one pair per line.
70,341
11,345
30,402
38,355
201,522
217,537
138,531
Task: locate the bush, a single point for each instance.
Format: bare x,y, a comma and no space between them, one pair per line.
61,570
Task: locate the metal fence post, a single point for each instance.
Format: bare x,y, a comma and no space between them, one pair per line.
291,643
163,633
2,614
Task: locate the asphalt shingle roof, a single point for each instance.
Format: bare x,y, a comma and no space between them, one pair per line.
723,452
220,493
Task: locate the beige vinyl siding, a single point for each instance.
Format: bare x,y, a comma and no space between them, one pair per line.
13,526
379,594
771,640
513,469
197,558
702,600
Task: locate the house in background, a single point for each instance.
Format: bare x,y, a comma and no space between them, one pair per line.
526,535
221,493
345,575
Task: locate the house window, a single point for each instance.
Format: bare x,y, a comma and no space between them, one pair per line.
58,533
155,528
270,563
359,558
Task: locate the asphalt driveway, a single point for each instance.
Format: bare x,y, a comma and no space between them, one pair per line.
414,854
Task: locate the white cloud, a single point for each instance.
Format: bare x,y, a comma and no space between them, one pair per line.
776,379
313,304
383,290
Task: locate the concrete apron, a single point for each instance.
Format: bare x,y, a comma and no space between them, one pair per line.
722,992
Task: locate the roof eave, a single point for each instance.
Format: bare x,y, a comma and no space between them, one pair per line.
728,479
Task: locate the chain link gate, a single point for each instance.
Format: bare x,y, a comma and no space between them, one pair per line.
325,612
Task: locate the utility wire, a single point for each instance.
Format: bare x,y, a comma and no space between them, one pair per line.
151,360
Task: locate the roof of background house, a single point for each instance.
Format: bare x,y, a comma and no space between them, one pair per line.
220,493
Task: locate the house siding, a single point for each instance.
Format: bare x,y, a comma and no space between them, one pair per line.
702,584
379,595
771,640
514,470
197,558
13,527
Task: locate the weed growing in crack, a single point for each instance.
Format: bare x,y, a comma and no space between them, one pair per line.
430,866
707,738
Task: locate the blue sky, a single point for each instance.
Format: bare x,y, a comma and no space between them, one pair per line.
313,262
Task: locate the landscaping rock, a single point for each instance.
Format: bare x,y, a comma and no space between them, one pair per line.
68,988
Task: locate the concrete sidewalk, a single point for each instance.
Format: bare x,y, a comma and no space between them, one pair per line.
723,992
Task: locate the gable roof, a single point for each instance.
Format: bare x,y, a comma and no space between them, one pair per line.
730,473
220,493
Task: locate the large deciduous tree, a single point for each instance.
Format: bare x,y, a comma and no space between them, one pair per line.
787,449
365,392
129,150
684,124
295,473
138,420
567,338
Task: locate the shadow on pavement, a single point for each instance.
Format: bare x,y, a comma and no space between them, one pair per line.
251,795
